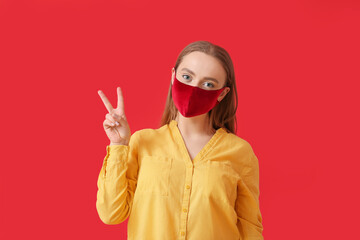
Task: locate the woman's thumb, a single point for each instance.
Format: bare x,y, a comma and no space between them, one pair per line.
122,120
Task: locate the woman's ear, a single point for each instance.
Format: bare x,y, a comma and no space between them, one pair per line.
172,75
223,94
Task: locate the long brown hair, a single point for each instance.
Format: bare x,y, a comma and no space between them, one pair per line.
222,115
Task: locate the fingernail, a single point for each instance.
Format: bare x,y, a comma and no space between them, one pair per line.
112,124
117,124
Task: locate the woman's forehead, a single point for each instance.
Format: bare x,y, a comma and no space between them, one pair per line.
203,65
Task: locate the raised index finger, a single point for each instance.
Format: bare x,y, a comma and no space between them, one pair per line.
106,102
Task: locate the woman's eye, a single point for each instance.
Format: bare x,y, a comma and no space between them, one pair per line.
210,84
185,75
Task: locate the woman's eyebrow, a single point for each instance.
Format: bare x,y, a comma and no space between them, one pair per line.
208,78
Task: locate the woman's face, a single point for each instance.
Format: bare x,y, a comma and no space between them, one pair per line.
198,69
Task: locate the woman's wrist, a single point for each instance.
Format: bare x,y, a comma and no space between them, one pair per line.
121,143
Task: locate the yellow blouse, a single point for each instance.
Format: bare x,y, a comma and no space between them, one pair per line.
167,196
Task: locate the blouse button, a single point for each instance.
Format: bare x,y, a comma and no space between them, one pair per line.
187,187
185,210
182,233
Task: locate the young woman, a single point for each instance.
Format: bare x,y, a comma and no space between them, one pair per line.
193,177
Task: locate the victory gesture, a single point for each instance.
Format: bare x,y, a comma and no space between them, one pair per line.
115,124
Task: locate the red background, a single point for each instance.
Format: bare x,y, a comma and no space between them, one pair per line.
297,72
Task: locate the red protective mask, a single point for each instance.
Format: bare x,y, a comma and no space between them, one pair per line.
192,101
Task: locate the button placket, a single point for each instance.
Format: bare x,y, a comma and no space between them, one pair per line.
186,201
189,163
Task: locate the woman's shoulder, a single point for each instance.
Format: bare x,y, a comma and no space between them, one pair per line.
237,142
151,133
241,150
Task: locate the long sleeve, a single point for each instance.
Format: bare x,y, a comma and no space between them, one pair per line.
117,182
247,203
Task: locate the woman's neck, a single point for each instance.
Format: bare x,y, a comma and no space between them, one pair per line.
194,126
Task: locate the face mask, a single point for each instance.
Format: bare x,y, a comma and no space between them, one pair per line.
192,101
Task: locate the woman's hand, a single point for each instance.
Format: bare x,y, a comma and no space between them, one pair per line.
115,124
